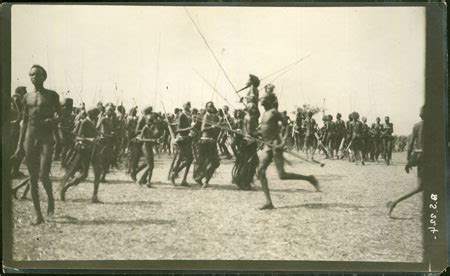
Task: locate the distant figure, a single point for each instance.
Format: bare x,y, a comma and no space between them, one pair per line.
365,138
387,138
378,139
357,142
415,159
310,127
340,136
298,130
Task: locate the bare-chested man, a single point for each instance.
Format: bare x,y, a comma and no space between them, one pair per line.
387,138
270,131
16,116
415,159
65,128
36,137
105,128
136,146
224,135
130,126
184,142
357,143
310,127
298,129
209,159
149,136
247,161
88,151
340,136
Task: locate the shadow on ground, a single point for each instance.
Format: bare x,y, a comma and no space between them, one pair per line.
325,206
133,222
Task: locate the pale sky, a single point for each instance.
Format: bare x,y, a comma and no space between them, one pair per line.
371,60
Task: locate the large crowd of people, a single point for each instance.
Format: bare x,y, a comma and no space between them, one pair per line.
106,136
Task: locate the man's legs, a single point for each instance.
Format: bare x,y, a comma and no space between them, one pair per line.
149,157
44,174
15,163
96,165
66,145
265,160
201,162
71,170
134,159
283,175
184,162
32,159
391,205
223,144
176,163
214,163
58,145
84,162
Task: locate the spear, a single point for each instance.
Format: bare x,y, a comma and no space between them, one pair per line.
265,143
212,53
212,87
286,67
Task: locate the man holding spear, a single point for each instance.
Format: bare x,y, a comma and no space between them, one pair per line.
273,149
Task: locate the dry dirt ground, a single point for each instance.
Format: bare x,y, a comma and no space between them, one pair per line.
347,221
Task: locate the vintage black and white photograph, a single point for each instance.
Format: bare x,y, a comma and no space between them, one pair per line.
217,133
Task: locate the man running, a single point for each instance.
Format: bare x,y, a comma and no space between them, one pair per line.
88,151
273,149
414,156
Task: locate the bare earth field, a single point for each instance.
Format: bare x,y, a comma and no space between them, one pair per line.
347,221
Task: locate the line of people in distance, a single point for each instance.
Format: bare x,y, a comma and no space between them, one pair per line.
353,138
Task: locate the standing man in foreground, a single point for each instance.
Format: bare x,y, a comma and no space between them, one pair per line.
273,148
36,137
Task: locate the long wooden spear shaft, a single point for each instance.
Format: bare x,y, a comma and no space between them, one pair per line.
286,67
212,53
265,143
213,88
172,134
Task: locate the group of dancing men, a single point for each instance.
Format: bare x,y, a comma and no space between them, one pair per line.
44,129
